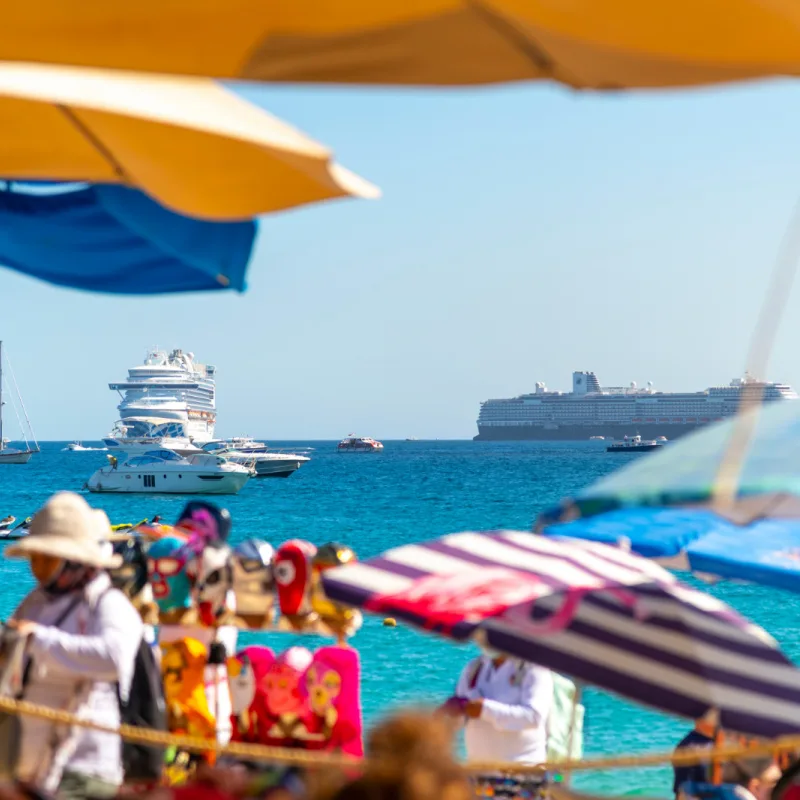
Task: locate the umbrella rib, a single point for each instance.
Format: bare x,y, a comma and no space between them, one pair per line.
509,31
96,143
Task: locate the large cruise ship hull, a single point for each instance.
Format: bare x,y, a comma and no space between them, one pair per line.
576,433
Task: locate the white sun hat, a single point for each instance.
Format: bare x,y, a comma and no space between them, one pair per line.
68,527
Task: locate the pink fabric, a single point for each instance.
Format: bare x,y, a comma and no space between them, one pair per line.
445,600
333,699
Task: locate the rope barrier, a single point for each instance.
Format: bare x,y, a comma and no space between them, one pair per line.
304,758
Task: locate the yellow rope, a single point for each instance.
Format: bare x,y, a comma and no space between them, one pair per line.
304,758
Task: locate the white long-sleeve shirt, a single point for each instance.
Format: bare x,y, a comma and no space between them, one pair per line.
517,698
76,667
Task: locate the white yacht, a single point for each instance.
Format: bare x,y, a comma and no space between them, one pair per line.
266,463
169,396
13,455
165,472
150,434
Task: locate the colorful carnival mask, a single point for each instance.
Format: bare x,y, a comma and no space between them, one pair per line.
283,682
333,696
246,673
167,562
292,572
253,582
210,574
340,619
183,665
205,520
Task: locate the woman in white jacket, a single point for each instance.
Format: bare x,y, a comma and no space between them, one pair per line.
83,640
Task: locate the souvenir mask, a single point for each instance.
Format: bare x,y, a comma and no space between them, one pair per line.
246,671
211,575
282,683
292,571
333,697
131,576
183,665
253,582
167,560
339,618
205,520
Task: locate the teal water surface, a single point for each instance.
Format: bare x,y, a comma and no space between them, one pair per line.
410,492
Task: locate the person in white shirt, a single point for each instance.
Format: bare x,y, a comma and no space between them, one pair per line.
506,703
83,637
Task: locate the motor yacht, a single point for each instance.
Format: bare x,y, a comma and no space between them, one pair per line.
266,463
163,471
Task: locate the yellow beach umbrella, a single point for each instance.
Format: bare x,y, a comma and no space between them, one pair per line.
187,142
583,43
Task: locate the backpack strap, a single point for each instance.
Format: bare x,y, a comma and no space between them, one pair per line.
476,672
70,607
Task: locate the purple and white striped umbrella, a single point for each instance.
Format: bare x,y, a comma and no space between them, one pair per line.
594,612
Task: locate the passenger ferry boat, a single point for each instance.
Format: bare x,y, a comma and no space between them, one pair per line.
359,444
590,410
169,396
634,444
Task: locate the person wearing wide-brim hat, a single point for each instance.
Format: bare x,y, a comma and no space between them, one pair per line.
83,640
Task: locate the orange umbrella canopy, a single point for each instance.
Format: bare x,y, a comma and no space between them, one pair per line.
188,143
595,44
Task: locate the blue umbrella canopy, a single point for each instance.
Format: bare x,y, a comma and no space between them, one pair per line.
113,239
663,505
683,473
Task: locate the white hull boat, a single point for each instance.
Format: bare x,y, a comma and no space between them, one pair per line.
11,455
165,472
263,462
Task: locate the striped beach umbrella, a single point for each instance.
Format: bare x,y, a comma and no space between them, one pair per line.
597,613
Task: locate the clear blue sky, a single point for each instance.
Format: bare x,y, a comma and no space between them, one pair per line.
524,232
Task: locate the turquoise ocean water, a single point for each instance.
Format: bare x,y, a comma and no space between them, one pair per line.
410,492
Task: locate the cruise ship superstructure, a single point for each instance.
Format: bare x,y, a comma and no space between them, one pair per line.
590,410
169,395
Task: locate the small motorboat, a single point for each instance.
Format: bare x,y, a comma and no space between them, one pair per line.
359,444
13,533
6,523
596,438
634,444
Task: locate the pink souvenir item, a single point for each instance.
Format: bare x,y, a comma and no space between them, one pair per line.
332,685
285,699
293,577
246,673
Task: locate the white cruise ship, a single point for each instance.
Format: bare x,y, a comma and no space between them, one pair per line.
170,395
591,411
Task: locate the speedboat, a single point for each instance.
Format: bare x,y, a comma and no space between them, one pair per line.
634,444
6,523
165,472
359,444
265,463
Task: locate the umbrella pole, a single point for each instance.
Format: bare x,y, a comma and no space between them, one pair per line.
726,482
576,699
